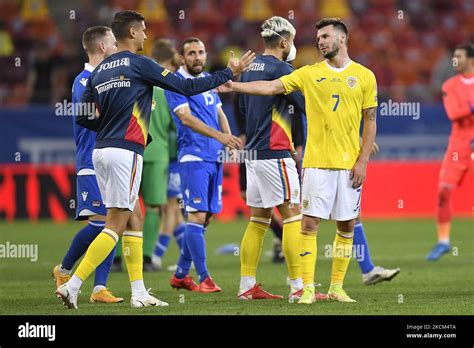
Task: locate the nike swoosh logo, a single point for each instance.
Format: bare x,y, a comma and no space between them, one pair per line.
305,253
321,79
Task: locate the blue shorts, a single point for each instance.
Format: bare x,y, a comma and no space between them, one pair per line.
174,180
89,200
201,184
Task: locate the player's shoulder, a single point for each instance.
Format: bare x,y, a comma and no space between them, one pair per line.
362,70
81,79
451,82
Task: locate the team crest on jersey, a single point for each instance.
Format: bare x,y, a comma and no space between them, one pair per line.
305,203
153,105
197,200
351,81
96,203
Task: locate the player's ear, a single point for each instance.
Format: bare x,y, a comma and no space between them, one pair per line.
132,32
102,47
181,59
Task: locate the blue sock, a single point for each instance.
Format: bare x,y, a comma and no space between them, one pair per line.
178,234
361,248
184,262
102,271
162,244
81,242
196,243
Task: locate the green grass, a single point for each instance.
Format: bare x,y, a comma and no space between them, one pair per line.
443,287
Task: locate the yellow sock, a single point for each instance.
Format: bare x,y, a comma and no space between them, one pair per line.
342,252
251,246
132,250
308,252
290,244
98,250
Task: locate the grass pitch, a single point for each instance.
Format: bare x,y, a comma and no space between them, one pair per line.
442,287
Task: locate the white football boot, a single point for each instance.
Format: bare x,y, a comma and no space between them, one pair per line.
379,274
146,301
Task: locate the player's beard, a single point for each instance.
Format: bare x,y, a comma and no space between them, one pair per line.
194,70
331,54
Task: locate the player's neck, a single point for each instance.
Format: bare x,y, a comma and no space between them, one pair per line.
95,60
468,72
339,61
126,46
275,53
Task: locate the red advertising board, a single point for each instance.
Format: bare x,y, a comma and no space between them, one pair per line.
392,190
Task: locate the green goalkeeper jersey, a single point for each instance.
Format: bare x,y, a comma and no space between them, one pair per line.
162,130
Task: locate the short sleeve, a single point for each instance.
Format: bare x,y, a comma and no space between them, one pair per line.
175,101
294,81
370,91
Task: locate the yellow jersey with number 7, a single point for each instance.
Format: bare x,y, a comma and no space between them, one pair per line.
335,98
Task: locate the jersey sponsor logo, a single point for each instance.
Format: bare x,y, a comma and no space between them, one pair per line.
305,253
165,72
351,81
321,79
83,81
84,195
116,82
336,79
114,64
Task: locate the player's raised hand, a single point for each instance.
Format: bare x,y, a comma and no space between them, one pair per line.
238,65
358,173
230,141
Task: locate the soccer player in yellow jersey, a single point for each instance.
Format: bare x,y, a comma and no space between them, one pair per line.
338,92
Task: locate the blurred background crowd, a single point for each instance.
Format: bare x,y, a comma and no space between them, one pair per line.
407,43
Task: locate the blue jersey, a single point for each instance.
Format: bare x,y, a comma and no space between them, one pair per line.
84,138
204,107
268,118
121,87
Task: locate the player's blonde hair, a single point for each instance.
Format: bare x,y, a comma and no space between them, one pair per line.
275,26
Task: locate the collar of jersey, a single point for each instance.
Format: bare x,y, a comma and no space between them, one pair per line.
187,75
88,67
338,69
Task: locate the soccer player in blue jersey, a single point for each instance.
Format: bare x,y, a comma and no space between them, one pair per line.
121,88
99,43
202,127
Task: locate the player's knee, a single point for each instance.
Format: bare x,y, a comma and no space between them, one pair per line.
309,225
346,226
444,195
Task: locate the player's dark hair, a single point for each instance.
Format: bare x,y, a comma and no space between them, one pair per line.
336,22
468,47
162,50
91,38
188,40
123,21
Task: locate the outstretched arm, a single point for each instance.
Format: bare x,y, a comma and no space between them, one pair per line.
156,75
255,87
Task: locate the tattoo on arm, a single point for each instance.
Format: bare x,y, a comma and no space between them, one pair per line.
370,114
